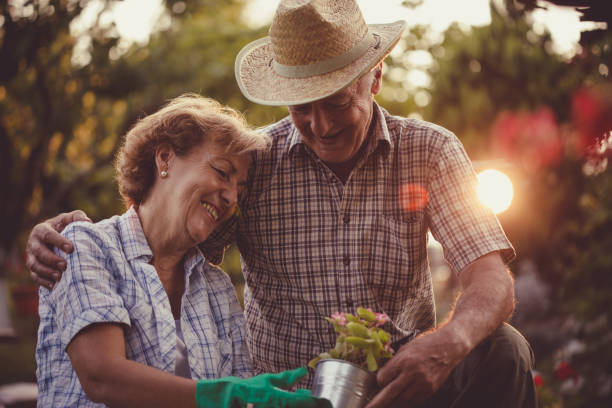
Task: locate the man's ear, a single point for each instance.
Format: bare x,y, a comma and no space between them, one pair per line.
377,79
163,157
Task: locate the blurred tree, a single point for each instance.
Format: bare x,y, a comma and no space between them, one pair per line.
47,111
579,266
64,108
198,55
478,72
57,129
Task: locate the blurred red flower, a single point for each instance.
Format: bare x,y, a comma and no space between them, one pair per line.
565,371
538,380
531,139
591,116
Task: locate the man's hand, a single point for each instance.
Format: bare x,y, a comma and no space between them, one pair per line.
46,267
420,367
417,371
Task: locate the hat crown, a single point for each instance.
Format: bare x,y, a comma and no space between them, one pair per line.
309,31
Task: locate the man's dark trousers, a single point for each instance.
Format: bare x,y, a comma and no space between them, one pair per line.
496,374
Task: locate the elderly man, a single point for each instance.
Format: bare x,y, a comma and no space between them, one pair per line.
336,216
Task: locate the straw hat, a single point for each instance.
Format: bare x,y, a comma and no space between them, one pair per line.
314,49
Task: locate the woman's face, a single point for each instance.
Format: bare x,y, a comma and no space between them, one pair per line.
202,188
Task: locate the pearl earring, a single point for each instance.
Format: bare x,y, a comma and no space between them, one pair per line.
163,174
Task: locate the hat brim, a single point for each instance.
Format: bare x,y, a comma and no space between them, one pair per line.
260,83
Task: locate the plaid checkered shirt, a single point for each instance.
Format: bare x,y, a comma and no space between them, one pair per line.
312,245
109,280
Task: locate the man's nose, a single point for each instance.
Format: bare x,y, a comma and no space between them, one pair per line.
320,122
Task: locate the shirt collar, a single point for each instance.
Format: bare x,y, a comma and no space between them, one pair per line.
378,135
381,135
132,236
295,138
193,258
136,246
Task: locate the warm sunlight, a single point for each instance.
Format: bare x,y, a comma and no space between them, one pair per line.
495,190
136,18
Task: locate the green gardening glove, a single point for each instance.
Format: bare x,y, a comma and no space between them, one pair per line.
260,391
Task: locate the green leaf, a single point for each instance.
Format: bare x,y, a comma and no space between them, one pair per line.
366,315
371,361
360,342
313,363
352,318
382,335
358,329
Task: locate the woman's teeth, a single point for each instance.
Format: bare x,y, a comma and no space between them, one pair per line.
211,210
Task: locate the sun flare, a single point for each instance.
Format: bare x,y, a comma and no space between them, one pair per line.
495,190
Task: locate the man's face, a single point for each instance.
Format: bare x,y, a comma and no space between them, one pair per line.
336,127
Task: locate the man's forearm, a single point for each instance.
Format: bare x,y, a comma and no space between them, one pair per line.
486,301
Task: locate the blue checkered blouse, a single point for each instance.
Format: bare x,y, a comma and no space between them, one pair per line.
109,279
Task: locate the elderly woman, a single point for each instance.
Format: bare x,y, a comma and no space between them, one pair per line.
139,311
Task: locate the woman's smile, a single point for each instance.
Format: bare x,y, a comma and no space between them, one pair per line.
212,210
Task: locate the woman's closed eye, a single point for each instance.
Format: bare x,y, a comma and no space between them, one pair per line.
224,174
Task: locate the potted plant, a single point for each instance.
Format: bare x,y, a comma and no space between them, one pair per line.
345,374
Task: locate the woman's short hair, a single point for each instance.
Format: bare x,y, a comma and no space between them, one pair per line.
183,123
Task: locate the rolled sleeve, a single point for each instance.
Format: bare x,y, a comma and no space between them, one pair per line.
88,291
89,317
466,228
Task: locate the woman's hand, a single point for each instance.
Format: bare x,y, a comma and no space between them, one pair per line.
265,390
46,267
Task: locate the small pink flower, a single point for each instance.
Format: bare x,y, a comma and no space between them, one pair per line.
339,318
381,318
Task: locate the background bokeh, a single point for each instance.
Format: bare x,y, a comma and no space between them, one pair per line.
71,85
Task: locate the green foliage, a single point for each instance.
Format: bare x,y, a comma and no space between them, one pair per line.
481,71
231,265
62,123
58,128
577,264
197,55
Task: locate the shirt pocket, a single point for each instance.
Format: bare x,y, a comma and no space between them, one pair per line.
407,231
397,261
210,356
224,345
397,247
209,347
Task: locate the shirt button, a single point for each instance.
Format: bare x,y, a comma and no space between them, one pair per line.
346,260
346,219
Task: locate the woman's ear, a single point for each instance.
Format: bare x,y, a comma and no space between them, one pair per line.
163,158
